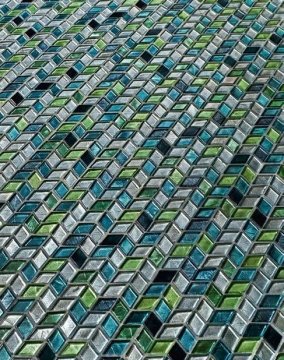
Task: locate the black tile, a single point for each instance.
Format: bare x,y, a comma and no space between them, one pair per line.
153,32
165,276
223,2
82,109
191,131
163,70
112,239
44,86
263,316
18,20
177,353
240,159
146,56
230,61
254,330
163,147
153,324
87,158
136,317
17,98
145,221
118,14
272,337
46,353
235,195
94,24
79,258
251,49
141,5
30,33
258,218
275,39
70,139
72,73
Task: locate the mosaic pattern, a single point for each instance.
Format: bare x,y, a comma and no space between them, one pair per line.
141,179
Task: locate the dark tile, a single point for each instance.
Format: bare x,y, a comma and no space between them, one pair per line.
94,24
153,324
272,337
255,88
81,109
118,14
87,158
136,317
263,316
30,33
191,131
141,5
235,195
280,240
219,118
239,14
46,353
230,61
18,20
254,330
104,305
265,120
275,39
251,49
223,2
79,258
199,225
177,353
163,70
163,147
146,56
261,154
70,139
44,86
191,182
154,32
145,221
240,159
181,86
17,98
112,239
72,73
165,276
258,218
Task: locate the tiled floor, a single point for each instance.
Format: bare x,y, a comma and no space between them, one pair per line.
141,179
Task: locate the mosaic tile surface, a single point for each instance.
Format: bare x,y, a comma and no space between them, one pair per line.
141,179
